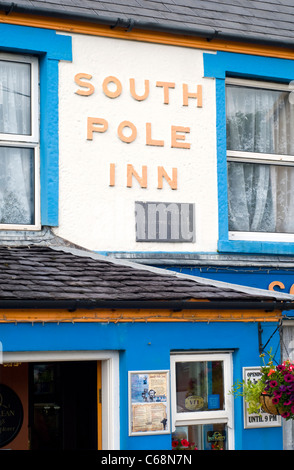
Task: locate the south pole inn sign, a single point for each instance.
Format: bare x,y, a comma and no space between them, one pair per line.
155,221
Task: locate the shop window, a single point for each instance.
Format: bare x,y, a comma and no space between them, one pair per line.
201,404
19,142
260,160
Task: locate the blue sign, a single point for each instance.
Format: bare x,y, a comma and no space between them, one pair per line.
213,402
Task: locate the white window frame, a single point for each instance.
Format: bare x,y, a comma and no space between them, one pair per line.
205,417
263,158
27,141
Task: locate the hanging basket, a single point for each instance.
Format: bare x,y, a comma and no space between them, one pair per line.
267,405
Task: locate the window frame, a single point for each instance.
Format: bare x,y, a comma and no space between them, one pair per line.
259,158
219,66
31,141
205,417
50,48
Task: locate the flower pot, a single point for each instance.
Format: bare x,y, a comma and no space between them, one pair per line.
267,405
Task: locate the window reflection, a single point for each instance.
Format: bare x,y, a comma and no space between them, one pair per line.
199,386
203,437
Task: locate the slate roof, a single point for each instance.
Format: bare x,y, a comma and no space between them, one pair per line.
64,273
269,20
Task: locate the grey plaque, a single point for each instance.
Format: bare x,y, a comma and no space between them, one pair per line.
164,222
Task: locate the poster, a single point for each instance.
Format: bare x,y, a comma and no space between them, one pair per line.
264,420
149,402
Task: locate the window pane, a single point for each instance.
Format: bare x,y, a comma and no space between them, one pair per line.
204,437
259,120
17,185
15,98
260,197
199,386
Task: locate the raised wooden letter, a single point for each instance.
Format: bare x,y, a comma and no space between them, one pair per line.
141,180
175,137
112,174
149,140
197,95
166,86
163,174
91,127
133,92
79,82
133,128
112,94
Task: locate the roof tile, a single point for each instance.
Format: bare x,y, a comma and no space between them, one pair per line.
42,272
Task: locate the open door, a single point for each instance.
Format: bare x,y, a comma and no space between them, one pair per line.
65,405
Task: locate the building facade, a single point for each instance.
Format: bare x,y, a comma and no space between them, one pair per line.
164,138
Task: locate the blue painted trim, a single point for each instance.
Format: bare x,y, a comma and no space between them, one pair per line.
50,47
223,64
219,66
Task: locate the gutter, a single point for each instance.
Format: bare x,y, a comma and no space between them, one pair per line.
129,24
176,305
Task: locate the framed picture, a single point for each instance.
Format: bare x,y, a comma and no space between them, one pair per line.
149,402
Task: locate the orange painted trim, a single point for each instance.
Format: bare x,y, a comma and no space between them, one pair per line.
80,27
136,316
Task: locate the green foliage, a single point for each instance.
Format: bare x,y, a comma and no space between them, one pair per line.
250,392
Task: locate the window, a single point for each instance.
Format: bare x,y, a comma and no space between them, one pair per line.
201,404
260,160
19,143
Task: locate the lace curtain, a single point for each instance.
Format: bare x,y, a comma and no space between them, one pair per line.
260,196
16,164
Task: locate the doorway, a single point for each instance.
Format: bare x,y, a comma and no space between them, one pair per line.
65,405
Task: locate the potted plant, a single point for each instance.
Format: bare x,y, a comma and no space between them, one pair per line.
273,392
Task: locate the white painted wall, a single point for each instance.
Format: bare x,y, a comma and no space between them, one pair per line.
100,217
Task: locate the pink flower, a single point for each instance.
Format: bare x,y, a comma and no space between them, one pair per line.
275,400
289,378
277,394
286,403
273,383
286,414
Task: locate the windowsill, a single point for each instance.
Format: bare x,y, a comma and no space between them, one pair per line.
12,237
256,247
262,237
20,228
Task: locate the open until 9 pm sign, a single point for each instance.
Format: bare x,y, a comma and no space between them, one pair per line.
264,420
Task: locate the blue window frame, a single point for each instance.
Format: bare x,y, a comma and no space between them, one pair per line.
49,48
220,66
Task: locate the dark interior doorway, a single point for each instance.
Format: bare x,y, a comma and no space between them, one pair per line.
63,405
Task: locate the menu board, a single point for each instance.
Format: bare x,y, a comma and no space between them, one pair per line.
149,402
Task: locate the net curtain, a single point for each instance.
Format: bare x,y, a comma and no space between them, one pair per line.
16,163
260,196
